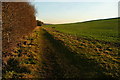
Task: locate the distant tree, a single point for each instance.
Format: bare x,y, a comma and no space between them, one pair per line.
39,23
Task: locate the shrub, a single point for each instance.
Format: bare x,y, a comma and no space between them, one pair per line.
39,23
18,20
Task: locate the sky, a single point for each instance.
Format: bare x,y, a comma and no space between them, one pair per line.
70,12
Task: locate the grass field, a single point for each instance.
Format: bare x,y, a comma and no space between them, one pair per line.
50,52
106,30
92,44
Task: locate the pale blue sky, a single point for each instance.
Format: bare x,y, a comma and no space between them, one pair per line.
70,12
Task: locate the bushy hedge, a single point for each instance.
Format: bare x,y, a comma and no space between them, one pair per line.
39,23
18,20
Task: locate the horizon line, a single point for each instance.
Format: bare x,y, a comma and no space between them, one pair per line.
83,21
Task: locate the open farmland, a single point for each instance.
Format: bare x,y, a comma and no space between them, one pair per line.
105,30
49,53
83,50
91,45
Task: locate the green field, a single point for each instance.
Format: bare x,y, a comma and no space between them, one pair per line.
90,42
106,30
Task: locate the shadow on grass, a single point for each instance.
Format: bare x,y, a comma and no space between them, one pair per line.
72,65
14,66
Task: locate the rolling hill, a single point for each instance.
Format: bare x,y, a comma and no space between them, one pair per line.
104,29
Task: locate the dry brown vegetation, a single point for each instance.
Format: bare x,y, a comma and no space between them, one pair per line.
18,20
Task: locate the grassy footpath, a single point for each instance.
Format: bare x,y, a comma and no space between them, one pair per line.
34,57
47,53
